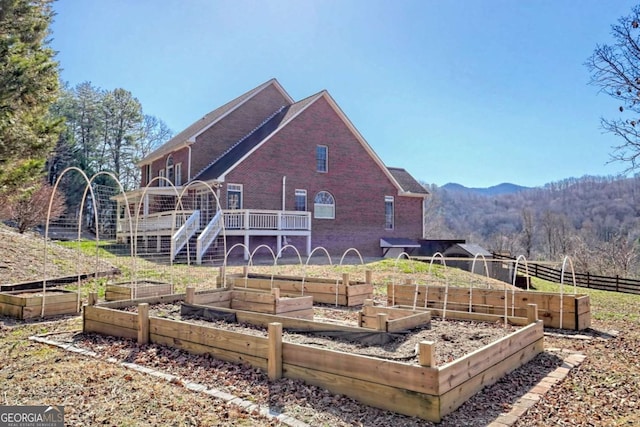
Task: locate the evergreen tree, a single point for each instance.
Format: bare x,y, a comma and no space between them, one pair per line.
28,87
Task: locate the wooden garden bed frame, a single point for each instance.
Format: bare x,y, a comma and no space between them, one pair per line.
576,313
27,304
143,289
426,391
344,292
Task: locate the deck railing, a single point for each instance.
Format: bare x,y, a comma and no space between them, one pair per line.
156,221
247,219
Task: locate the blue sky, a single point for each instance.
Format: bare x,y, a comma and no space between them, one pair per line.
476,92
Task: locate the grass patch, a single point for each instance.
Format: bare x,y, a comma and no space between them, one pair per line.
605,305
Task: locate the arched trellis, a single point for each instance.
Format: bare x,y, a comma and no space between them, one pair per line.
185,189
134,231
46,229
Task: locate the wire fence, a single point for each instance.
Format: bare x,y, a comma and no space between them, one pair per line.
586,280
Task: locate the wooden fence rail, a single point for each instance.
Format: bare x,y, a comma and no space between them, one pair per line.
587,280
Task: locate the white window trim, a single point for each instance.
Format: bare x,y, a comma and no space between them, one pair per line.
177,174
326,159
320,208
238,188
161,182
300,192
390,199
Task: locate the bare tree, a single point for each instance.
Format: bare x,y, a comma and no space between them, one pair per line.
29,207
615,69
527,233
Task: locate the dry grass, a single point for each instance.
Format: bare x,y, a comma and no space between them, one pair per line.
604,391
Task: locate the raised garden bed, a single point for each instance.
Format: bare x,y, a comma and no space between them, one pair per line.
427,390
254,301
124,291
344,292
576,309
27,304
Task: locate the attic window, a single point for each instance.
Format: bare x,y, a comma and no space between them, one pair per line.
322,158
324,206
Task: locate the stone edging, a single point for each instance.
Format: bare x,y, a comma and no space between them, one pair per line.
228,398
522,405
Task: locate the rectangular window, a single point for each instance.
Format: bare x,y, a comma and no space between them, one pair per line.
301,200
161,182
234,196
388,213
147,175
322,158
178,178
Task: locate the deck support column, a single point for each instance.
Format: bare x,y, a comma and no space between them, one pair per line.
246,244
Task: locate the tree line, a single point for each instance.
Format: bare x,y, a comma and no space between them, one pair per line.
47,126
595,220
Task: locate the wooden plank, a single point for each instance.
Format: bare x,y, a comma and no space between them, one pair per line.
248,296
392,312
456,396
94,326
283,305
404,295
409,322
374,394
457,372
111,317
216,352
238,304
207,335
212,296
395,374
11,310
162,299
70,307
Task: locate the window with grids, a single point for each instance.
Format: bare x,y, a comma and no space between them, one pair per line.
322,158
178,179
161,182
388,213
301,200
324,206
234,196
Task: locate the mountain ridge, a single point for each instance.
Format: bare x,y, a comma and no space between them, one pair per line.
495,190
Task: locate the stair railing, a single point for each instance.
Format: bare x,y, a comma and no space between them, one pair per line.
208,235
184,233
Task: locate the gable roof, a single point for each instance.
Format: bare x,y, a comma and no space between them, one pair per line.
296,109
236,153
188,135
407,182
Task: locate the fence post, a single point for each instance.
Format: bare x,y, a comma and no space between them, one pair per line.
588,281
617,283
143,323
274,361
427,353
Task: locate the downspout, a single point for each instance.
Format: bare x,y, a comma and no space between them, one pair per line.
284,188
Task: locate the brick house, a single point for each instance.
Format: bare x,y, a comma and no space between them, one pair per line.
283,172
